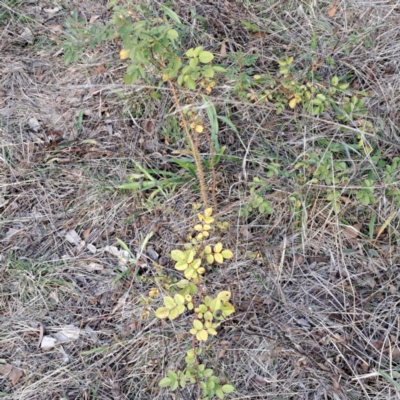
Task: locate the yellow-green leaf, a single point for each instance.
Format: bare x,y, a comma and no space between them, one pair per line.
181,265
181,308
225,295
172,375
189,53
177,255
190,273
197,51
169,302
218,258
174,385
173,314
197,324
210,258
227,254
208,316
202,308
209,220
202,335
207,249
215,304
205,57
227,309
179,299
165,382
212,331
228,388
190,255
162,312
218,248
196,263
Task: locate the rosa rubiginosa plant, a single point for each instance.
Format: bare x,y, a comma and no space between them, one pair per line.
207,312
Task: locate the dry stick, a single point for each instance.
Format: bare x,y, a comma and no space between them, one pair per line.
194,148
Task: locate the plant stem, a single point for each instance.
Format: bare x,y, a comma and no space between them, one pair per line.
194,148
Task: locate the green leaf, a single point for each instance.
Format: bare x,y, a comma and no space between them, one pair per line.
186,70
335,81
250,26
207,373
193,63
389,379
228,388
190,83
195,75
213,117
314,41
218,68
172,375
208,72
205,57
68,57
343,86
219,393
174,385
172,34
171,14
165,382
130,78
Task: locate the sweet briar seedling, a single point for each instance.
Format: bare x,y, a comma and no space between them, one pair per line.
208,312
287,89
154,52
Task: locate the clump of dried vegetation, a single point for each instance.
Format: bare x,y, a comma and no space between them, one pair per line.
98,185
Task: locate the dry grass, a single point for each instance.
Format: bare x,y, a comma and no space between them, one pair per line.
317,310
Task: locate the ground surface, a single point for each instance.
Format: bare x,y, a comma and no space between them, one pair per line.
316,292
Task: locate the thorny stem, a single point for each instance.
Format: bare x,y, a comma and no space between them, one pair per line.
194,148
